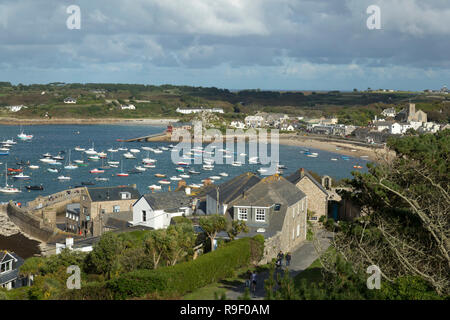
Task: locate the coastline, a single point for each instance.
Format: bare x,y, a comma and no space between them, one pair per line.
143,121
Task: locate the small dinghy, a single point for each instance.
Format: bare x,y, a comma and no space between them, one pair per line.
35,187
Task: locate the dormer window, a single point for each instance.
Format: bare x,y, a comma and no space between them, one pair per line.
242,214
125,195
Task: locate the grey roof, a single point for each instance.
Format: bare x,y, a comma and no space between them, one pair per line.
231,189
112,193
168,201
298,175
73,208
118,220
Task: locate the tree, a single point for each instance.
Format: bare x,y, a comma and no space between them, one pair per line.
180,242
406,207
104,258
237,226
155,245
212,225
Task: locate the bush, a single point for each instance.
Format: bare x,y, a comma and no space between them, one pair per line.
188,276
181,219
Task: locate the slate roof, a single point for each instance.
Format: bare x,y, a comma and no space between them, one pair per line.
111,193
297,176
168,201
231,189
118,220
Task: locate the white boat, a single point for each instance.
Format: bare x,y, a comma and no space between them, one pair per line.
193,172
149,165
113,165
48,160
79,149
102,154
113,162
129,155
147,148
195,186
223,174
135,150
47,155
23,136
139,168
334,159
4,149
122,174
7,188
21,176
312,155
94,158
164,148
69,165
78,161
91,151
101,179
97,171
175,178
155,187
63,178
215,178
184,176
164,181
113,150
58,157
236,164
52,170
261,170
208,167
9,141
157,151
33,166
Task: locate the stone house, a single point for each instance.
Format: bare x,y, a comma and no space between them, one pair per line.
275,209
316,193
97,202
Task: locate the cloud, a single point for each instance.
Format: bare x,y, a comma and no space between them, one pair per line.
293,38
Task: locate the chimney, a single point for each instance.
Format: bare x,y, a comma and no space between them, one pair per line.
302,172
188,191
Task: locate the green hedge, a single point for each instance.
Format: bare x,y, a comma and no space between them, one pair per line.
187,276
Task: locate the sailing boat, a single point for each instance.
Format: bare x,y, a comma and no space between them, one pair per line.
122,174
113,162
69,165
6,188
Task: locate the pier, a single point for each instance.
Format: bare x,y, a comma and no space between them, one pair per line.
153,137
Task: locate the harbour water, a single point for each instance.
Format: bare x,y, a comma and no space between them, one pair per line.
57,138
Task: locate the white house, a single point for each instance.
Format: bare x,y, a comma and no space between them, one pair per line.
254,121
389,112
396,128
70,100
155,210
198,110
16,108
287,127
237,124
128,107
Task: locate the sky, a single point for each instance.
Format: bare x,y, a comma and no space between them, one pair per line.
234,44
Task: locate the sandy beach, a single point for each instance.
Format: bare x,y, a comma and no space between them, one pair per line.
150,122
349,148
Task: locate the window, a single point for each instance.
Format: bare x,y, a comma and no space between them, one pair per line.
125,195
260,214
116,209
6,266
103,211
277,207
242,214
144,216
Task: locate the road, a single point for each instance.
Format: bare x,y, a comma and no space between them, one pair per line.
302,257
